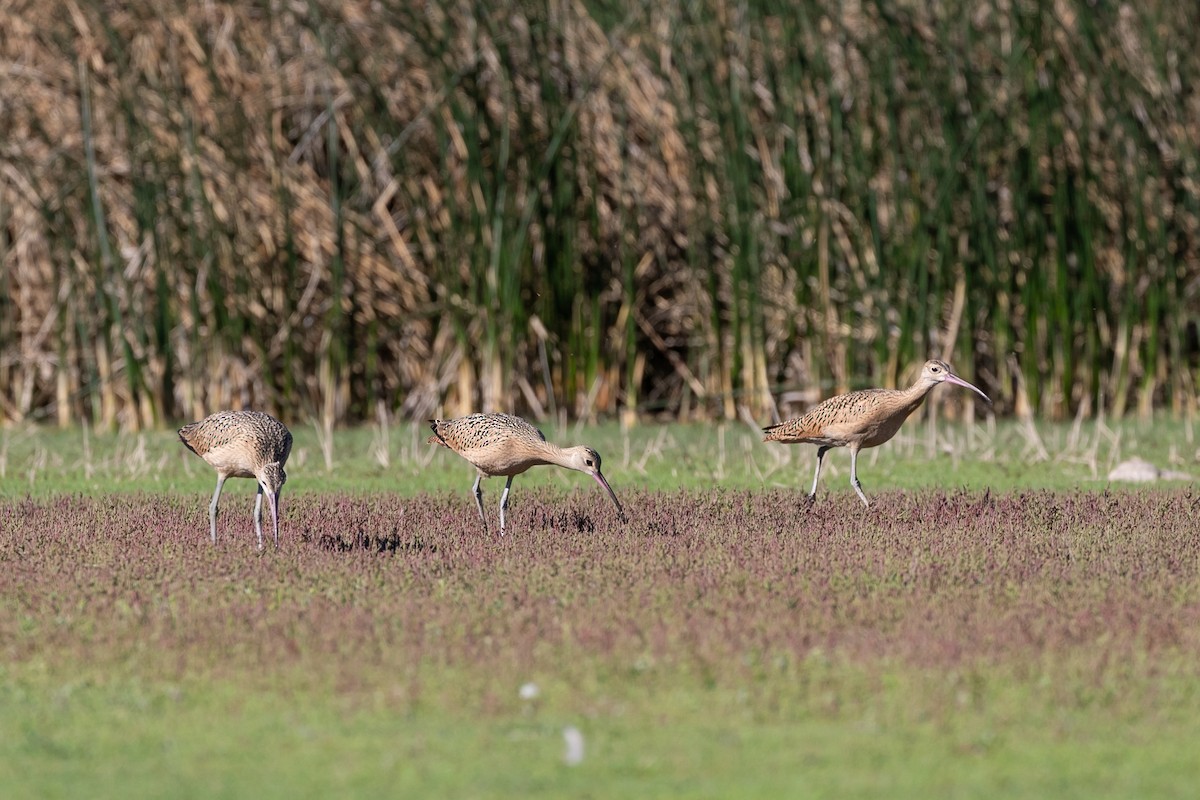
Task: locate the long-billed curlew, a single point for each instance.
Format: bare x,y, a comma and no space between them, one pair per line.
243,444
867,418
501,444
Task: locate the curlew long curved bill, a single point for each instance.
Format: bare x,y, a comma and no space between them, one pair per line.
273,501
957,381
612,495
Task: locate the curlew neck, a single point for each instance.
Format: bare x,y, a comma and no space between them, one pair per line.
559,456
915,394
586,460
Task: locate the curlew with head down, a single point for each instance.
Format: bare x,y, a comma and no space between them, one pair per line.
243,444
501,444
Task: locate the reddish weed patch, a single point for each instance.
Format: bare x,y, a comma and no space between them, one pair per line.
727,584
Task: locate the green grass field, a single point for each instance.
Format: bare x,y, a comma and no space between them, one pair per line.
996,626
1002,457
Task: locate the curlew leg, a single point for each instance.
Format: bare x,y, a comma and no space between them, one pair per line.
820,459
258,515
504,502
854,477
212,507
479,501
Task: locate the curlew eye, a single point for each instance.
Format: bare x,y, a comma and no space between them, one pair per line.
588,462
935,369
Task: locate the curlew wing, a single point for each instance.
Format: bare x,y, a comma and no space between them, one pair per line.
249,431
835,421
476,431
497,444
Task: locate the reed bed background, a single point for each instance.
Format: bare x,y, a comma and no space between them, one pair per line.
349,210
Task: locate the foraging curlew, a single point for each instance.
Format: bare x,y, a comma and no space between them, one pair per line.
501,444
243,444
867,418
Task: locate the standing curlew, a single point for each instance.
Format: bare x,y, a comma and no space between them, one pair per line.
867,418
501,444
243,444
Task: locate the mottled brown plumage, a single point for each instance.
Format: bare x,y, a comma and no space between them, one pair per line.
243,444
501,444
867,418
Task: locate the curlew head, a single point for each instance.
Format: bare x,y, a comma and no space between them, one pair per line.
271,478
586,460
935,372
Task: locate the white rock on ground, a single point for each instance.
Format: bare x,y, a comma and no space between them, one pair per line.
1139,470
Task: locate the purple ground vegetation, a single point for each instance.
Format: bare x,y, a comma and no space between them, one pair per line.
724,584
